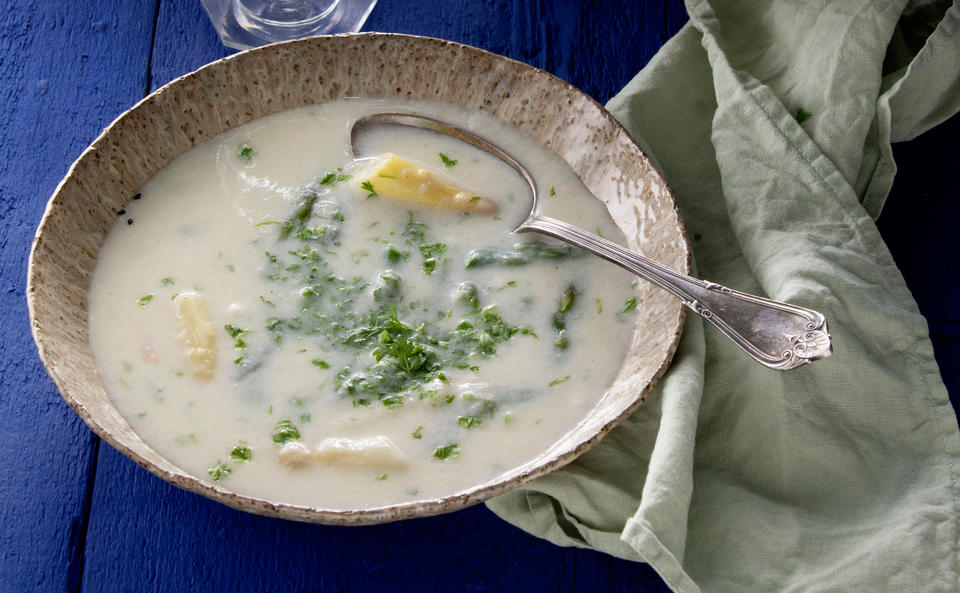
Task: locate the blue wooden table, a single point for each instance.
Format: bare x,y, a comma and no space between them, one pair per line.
76,515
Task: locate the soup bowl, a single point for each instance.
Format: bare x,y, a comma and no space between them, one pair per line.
256,83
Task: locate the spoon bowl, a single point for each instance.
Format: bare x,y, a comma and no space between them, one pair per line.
778,335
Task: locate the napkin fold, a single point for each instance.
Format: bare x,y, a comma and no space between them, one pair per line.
772,122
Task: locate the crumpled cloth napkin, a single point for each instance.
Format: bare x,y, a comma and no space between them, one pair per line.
839,476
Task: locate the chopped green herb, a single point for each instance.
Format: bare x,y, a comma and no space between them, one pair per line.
320,363
468,421
802,115
387,176
475,198
395,256
233,331
286,431
238,360
220,471
451,451
508,417
418,433
393,401
381,476
556,382
246,153
599,306
553,191
629,305
144,299
447,161
368,187
241,452
432,249
166,281
697,236
328,179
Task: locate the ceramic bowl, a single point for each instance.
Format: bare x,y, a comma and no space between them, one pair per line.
252,84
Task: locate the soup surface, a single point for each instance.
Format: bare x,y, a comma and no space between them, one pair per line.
276,317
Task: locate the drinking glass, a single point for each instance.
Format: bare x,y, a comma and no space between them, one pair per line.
242,24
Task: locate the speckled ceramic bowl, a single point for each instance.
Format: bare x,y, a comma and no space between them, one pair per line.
249,85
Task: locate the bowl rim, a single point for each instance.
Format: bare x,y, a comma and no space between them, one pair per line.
380,514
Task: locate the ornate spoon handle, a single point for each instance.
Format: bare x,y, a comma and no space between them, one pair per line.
777,335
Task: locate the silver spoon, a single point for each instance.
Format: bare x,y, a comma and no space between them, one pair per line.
777,335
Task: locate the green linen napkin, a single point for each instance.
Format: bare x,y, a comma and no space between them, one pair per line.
839,476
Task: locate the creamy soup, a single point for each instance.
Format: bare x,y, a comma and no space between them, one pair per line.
281,319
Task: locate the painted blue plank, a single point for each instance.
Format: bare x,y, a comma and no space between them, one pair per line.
66,69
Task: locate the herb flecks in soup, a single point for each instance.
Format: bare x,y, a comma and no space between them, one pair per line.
296,325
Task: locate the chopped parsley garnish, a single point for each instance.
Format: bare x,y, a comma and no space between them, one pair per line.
432,249
468,421
220,471
451,451
246,153
393,401
144,299
802,115
395,256
368,187
320,363
553,191
233,331
381,476
418,433
447,161
236,333
599,306
286,431
556,382
629,305
241,452
166,281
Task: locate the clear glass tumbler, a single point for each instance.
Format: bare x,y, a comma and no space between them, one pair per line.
243,24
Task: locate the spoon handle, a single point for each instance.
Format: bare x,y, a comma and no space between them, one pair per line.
777,335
